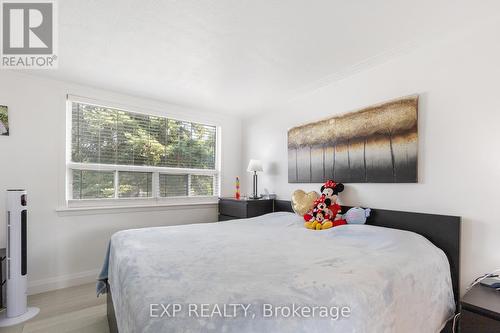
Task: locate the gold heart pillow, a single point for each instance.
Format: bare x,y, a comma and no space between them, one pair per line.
302,202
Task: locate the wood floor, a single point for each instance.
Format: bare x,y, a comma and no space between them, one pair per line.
75,310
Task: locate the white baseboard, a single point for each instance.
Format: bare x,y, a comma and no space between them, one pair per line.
63,281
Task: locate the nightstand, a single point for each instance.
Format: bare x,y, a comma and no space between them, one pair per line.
480,311
230,208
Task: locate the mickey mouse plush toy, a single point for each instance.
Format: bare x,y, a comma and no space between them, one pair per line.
319,217
326,211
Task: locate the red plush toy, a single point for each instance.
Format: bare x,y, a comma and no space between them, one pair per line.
326,212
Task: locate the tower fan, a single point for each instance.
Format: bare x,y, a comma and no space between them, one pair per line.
17,272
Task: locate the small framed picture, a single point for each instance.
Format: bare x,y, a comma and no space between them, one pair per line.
4,120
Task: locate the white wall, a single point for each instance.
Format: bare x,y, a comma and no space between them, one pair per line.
67,247
459,136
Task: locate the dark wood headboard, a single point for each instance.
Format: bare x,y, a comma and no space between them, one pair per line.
442,230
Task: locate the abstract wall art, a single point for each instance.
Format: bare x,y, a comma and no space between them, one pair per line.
378,144
4,120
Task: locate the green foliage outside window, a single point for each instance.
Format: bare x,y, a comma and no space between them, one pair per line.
109,136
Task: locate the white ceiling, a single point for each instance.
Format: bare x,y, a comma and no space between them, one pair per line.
237,56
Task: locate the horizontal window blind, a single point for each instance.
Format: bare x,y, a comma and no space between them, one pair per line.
119,154
110,136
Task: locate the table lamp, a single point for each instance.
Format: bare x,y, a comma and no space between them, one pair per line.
255,166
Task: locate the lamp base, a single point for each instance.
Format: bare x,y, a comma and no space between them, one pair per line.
255,198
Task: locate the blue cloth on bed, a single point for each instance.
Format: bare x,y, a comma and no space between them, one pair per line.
103,276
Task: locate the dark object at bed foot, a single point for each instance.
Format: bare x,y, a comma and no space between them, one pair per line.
449,327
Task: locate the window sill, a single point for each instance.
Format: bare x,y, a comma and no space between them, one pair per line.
94,207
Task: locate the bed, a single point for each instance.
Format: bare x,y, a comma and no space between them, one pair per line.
399,273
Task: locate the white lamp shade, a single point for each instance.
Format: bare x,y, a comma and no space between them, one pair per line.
255,165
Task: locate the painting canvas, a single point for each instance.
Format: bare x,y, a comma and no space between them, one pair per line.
4,120
378,144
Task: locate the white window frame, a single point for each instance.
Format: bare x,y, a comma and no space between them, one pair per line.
155,199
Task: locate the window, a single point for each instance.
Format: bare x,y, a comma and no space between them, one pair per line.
117,154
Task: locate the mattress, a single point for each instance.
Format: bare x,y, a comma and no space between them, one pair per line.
270,274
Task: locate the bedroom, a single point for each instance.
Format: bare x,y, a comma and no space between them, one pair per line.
135,120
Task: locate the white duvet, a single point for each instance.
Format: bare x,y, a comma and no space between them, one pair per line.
240,271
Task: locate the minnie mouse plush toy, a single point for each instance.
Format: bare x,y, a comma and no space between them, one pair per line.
326,212
330,191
